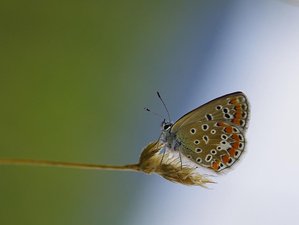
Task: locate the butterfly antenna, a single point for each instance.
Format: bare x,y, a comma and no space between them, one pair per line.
159,96
156,114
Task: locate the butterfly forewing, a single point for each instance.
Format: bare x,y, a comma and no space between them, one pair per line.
212,135
231,108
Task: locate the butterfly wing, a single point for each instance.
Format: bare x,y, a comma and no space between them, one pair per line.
231,107
212,135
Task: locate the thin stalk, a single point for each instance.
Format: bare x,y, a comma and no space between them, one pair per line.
33,162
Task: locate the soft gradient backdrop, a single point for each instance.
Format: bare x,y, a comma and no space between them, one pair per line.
76,75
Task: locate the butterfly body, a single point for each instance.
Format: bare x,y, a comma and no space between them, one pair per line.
211,135
169,138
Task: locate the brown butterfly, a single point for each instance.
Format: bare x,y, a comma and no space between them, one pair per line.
211,135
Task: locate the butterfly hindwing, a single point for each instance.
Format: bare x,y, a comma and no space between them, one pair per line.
215,145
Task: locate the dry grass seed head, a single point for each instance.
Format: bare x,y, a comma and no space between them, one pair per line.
170,168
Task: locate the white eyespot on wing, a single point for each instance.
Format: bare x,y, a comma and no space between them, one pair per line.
237,153
235,130
206,139
241,137
244,115
208,158
196,141
230,161
221,165
192,130
223,137
209,117
242,123
225,110
227,116
218,107
198,160
205,127
213,152
241,145
198,150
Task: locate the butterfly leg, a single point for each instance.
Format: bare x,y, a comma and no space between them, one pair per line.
176,147
164,151
181,160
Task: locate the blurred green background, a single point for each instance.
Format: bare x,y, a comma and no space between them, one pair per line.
74,78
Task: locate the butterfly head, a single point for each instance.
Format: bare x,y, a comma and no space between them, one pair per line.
166,126
166,136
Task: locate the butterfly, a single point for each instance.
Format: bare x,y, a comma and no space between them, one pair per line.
212,135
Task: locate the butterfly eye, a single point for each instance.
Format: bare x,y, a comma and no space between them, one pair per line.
166,126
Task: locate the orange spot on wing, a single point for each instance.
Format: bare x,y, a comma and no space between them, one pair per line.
238,115
232,151
225,158
236,145
233,101
220,124
236,137
236,121
228,129
215,165
238,107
